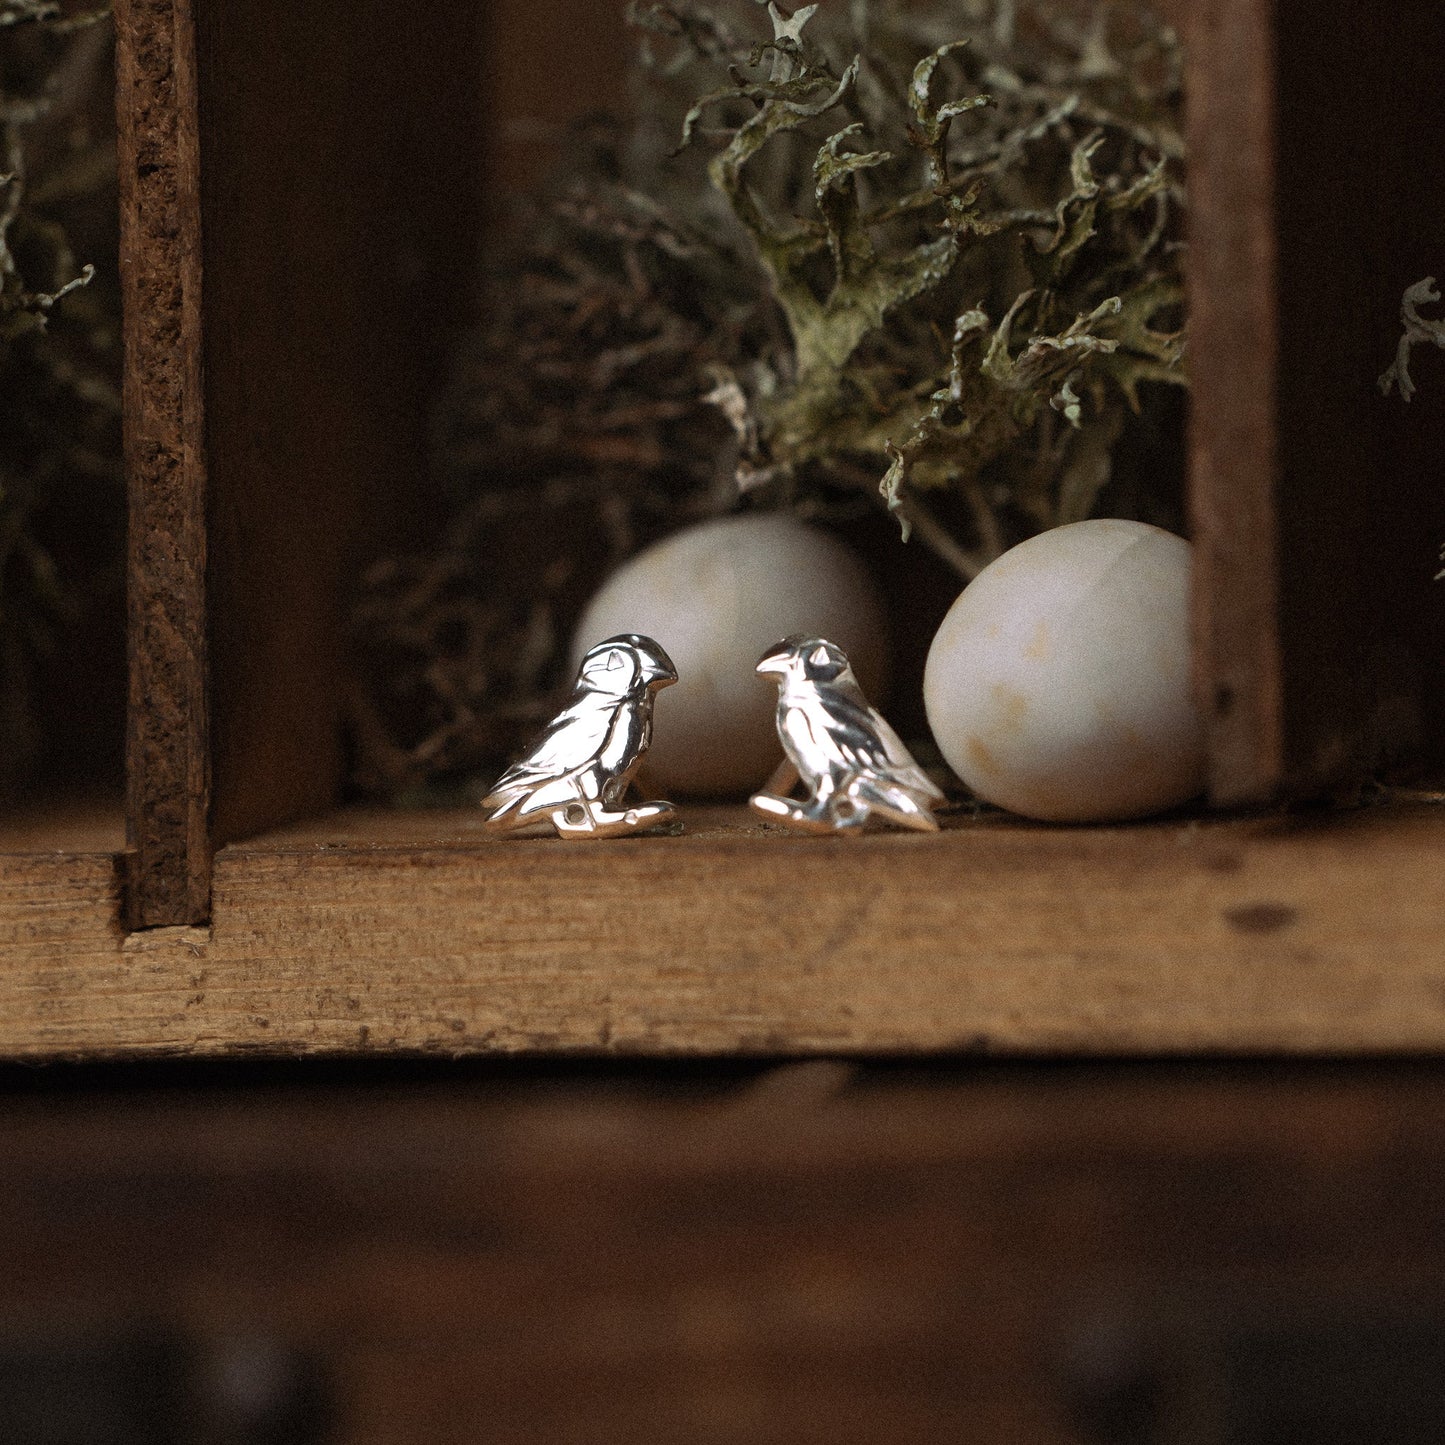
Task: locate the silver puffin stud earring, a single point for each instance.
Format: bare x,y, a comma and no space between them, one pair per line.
852,764
576,775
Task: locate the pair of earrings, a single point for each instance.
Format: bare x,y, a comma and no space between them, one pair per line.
851,764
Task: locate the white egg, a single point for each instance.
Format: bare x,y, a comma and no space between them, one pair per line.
717,596
1059,684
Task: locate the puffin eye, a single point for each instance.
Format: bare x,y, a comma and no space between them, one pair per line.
819,656
614,661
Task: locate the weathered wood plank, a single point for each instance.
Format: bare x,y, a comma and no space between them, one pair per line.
1319,934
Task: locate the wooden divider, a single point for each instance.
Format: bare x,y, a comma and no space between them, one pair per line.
1233,359
168,745
301,188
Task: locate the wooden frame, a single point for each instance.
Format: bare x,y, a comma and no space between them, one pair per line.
271,418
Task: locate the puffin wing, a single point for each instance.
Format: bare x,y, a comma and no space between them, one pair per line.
863,739
571,742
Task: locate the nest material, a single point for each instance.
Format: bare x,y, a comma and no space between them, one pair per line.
915,256
61,486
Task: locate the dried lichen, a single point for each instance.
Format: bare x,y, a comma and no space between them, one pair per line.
915,256
1417,332
60,482
987,273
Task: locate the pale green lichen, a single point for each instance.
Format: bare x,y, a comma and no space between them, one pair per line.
991,247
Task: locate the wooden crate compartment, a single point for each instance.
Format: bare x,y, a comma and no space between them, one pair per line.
273,396
302,221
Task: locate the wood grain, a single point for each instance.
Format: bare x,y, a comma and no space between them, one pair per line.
168,745
808,1257
1319,934
1231,270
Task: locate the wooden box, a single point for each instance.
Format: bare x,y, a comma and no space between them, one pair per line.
295,213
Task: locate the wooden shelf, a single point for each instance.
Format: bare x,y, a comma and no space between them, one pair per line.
374,932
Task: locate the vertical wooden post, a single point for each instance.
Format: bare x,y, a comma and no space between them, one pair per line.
1234,352
168,755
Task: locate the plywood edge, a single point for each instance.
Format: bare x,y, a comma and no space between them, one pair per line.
1253,937
168,763
1234,346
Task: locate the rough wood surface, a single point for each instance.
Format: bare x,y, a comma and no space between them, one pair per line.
1318,934
168,749
986,1255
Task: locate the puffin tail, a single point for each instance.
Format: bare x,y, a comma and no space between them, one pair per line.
895,802
501,802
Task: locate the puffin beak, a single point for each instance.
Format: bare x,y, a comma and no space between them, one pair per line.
659,676
773,664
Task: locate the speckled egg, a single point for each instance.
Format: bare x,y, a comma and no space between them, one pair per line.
717,596
1059,684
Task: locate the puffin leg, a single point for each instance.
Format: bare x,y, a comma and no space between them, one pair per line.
800,817
580,821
